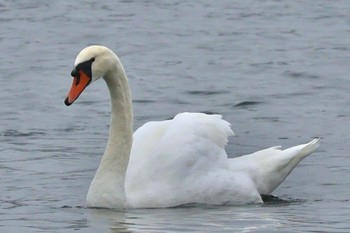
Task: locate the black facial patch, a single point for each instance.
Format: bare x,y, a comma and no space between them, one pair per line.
84,66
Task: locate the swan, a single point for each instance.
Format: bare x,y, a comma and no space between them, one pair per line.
172,162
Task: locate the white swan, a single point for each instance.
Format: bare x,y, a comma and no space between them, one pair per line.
172,162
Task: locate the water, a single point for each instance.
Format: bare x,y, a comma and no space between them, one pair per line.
278,70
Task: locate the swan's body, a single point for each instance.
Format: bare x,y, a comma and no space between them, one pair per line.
172,162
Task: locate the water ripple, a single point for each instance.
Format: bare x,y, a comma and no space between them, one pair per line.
17,133
205,93
247,104
306,75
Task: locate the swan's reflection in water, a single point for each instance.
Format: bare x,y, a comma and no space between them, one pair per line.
188,219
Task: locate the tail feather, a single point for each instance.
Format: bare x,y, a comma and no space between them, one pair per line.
268,168
309,148
290,158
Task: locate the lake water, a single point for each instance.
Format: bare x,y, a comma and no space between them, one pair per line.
278,70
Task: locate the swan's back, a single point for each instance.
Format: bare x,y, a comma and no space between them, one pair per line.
185,139
182,161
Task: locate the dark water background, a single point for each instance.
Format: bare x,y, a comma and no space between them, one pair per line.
278,70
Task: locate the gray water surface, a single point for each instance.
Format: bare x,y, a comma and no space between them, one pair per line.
278,70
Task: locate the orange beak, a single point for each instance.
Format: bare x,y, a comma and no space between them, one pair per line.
80,82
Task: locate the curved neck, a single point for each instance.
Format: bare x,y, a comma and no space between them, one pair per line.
107,188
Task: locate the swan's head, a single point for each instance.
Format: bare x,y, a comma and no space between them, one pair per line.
92,63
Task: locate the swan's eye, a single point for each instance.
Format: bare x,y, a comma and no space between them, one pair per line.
74,72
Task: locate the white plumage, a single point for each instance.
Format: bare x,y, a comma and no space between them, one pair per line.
179,161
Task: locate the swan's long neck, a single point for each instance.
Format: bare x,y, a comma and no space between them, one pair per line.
107,188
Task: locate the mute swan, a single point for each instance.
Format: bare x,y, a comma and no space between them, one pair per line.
172,162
